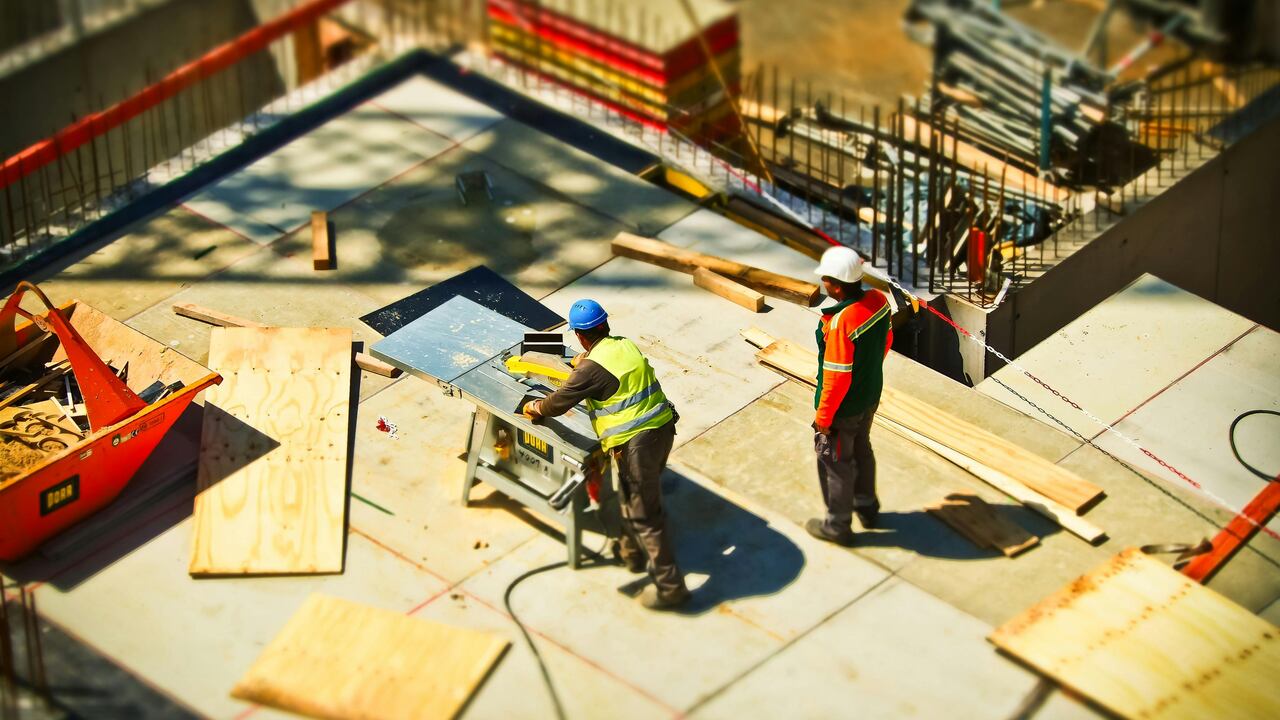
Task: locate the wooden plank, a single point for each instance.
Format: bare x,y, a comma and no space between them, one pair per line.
196,312
671,257
1237,533
272,475
1142,640
728,289
973,518
340,659
1064,517
321,243
1037,473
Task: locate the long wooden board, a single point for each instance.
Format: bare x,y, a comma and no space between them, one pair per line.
340,659
1039,474
272,474
982,525
671,257
1144,641
208,315
1066,519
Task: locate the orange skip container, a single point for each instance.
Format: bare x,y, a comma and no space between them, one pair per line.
75,483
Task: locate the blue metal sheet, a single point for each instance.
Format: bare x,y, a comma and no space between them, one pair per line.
450,340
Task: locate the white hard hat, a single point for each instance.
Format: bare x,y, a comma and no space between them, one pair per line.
841,263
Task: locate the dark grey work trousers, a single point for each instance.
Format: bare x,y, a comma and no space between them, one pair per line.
641,461
847,469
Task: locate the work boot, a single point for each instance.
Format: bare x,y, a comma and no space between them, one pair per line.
654,600
818,529
633,560
868,517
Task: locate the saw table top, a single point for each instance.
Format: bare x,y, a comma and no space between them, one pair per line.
462,345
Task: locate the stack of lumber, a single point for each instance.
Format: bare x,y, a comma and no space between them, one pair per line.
1046,488
1144,641
642,59
272,477
339,659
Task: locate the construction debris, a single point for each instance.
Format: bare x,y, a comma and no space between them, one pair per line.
728,289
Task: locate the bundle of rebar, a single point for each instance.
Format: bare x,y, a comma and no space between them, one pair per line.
1017,92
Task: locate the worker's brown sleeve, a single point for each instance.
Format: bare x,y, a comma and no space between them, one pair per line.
588,380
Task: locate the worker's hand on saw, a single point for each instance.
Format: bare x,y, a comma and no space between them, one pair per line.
533,410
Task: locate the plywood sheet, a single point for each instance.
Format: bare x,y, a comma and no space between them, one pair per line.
1144,641
340,659
273,453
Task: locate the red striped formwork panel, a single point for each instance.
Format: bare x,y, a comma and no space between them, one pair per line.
641,59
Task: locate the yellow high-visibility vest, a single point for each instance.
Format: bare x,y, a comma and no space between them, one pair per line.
639,403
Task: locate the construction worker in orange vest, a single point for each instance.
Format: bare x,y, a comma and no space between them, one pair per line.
854,336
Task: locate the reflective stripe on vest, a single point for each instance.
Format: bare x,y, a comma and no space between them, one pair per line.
639,403
623,405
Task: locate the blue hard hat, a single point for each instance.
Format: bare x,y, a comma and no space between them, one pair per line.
586,314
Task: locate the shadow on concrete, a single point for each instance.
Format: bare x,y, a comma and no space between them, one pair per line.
738,551
923,534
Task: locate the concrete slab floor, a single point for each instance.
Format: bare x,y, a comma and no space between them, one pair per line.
1119,353
410,487
153,261
750,594
414,232
765,452
321,170
897,652
641,206
438,108
1189,423
193,639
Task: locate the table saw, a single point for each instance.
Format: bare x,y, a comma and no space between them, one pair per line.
463,347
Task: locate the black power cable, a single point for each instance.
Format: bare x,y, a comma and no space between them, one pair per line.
542,665
1231,437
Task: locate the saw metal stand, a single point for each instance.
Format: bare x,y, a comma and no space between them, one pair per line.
550,487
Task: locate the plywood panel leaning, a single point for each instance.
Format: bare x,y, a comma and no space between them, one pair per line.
273,453
1142,640
339,659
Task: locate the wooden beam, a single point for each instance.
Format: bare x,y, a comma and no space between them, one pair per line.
671,257
321,242
1236,534
728,289
364,361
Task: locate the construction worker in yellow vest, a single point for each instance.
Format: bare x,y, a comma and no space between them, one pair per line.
636,423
